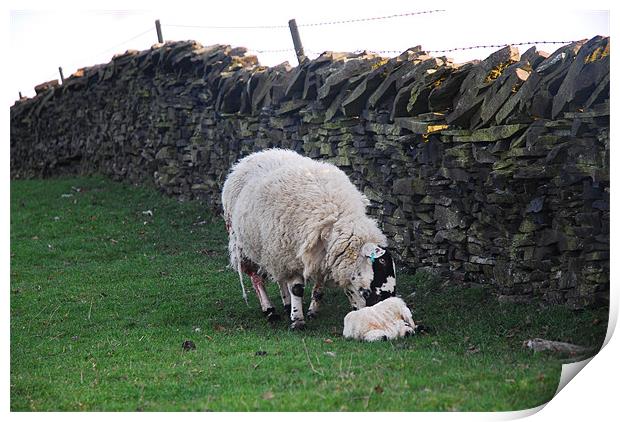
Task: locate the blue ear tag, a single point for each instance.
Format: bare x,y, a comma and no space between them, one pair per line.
372,258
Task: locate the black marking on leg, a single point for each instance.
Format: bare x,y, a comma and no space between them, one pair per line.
298,290
287,309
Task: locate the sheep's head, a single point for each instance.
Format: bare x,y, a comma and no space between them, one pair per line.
383,283
374,277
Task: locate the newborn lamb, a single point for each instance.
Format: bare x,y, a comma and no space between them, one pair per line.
387,320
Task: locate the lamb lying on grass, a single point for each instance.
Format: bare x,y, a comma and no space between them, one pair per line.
386,320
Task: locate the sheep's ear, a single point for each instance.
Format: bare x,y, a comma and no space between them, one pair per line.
372,250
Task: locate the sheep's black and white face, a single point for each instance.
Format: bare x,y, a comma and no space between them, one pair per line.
376,279
383,283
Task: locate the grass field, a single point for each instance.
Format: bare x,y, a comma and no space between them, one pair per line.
108,280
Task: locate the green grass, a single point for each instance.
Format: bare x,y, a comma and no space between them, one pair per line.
103,296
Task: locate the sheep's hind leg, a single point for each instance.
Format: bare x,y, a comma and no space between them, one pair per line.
251,269
265,304
296,290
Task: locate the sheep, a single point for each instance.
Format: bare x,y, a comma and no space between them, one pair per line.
250,168
295,219
386,320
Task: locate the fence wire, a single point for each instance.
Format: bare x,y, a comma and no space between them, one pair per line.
108,50
375,18
498,46
473,47
283,50
317,24
344,21
72,67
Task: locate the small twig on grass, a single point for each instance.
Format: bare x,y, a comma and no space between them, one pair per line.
49,318
308,358
40,312
367,399
90,309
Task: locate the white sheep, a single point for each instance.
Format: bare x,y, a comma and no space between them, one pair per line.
387,320
296,219
242,174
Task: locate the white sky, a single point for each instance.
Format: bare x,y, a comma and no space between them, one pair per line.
42,39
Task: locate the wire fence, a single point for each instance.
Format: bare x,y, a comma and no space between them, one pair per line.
100,54
282,51
514,44
474,47
339,22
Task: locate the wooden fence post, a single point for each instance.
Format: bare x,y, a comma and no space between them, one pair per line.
160,38
299,49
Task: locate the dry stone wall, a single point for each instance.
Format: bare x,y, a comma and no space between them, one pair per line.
493,172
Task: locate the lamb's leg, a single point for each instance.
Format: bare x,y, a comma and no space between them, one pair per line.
265,304
317,295
375,335
296,290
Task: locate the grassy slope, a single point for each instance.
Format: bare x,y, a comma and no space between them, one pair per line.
103,296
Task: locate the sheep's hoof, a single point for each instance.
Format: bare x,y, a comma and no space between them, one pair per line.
312,315
271,315
299,324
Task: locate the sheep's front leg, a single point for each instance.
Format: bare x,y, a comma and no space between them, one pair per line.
286,297
317,295
356,300
296,290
